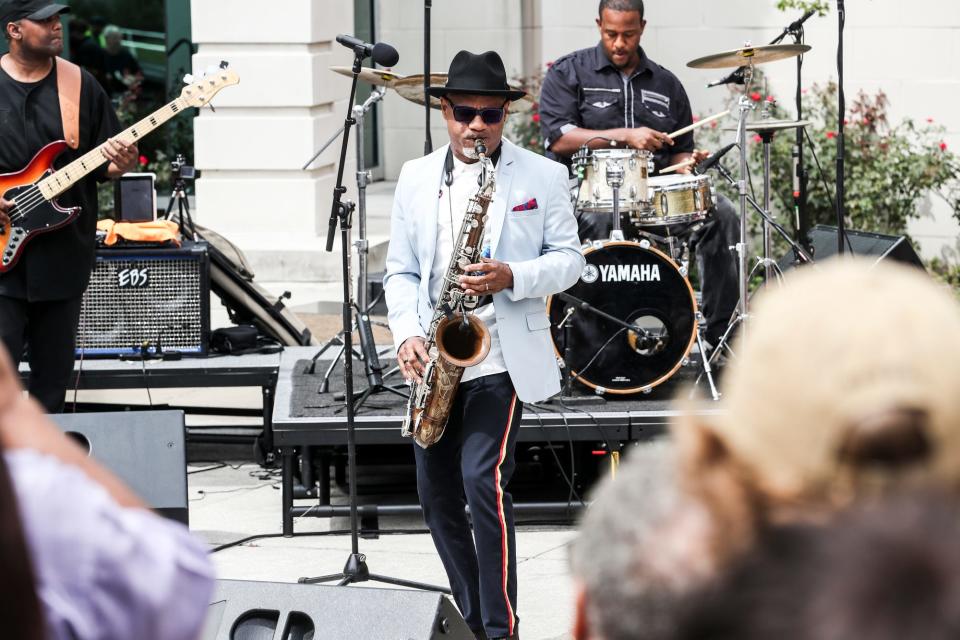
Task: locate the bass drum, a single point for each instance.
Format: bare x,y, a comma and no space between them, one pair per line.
641,286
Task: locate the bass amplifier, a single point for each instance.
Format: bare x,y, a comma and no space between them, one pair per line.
147,301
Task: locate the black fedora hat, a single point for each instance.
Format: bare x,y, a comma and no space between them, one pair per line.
477,74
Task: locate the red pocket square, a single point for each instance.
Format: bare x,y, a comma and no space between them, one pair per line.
527,206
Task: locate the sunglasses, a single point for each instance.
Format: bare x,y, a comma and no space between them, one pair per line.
489,115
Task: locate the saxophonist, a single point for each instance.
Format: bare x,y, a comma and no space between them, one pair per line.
530,250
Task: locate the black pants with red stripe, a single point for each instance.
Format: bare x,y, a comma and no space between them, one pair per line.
472,464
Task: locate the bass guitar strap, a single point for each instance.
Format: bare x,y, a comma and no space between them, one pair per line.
68,89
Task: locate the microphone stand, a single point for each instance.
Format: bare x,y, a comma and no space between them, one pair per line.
355,569
841,144
428,140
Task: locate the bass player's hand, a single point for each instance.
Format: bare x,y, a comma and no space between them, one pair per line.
5,207
413,358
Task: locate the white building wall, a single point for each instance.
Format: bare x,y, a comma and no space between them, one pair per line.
910,50
252,148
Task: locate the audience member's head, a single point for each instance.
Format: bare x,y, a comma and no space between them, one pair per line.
112,38
637,553
887,571
844,387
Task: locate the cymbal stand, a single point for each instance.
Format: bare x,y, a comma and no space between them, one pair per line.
745,106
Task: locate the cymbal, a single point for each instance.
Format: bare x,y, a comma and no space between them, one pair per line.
411,88
761,126
377,77
749,55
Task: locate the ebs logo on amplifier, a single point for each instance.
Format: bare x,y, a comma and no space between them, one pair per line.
153,297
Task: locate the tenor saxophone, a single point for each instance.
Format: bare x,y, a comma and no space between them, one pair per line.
457,339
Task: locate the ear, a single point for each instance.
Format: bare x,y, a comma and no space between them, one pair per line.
700,448
643,25
599,24
711,474
581,627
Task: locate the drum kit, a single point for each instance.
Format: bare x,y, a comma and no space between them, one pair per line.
637,315
637,318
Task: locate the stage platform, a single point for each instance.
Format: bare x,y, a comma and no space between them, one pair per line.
250,370
304,418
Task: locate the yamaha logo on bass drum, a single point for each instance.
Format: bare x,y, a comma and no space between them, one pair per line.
621,273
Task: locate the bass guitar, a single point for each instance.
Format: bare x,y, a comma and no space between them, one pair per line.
33,189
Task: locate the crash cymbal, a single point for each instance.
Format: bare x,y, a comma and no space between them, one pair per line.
761,126
411,88
377,77
749,55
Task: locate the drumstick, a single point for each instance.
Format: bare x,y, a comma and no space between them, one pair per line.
679,165
680,132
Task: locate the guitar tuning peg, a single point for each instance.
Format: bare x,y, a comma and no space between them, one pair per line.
224,64
188,78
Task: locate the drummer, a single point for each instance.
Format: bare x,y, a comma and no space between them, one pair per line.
614,92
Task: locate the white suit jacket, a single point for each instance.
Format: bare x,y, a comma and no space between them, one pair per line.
539,242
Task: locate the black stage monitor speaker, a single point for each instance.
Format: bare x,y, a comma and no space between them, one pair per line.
147,300
145,449
242,610
860,243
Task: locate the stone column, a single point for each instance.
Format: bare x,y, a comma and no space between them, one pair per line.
251,149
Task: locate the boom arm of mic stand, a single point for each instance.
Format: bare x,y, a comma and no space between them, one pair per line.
586,306
798,250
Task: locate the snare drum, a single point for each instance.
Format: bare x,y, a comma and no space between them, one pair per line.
596,196
675,199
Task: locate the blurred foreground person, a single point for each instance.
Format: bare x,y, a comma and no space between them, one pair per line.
82,557
889,571
846,387
637,554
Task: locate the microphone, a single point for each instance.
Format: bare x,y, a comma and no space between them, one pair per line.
382,53
796,24
735,77
714,159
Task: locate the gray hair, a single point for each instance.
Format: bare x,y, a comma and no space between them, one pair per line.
615,555
621,5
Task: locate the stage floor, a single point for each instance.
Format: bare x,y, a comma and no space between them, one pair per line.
304,416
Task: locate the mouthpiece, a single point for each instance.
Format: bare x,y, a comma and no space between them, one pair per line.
480,147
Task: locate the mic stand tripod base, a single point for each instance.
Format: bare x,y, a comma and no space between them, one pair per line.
355,570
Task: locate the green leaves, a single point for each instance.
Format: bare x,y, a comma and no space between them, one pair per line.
820,6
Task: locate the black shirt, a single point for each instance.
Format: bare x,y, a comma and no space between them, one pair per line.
583,89
55,265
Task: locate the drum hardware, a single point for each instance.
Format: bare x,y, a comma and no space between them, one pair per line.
614,176
748,57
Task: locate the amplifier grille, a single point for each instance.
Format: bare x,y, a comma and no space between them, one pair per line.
143,298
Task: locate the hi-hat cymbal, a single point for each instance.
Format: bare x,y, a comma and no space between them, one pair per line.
761,126
411,88
749,55
378,77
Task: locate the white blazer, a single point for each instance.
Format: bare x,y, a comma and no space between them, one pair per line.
540,244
